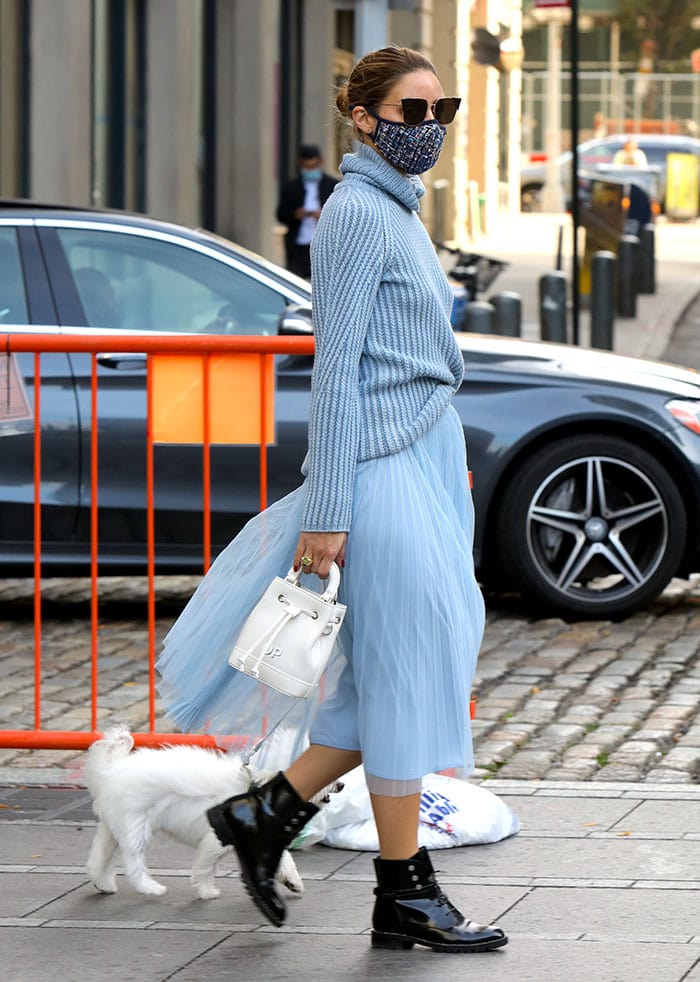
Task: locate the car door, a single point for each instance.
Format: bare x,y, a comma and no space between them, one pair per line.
126,278
26,307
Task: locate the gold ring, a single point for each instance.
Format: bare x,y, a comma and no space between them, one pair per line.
306,561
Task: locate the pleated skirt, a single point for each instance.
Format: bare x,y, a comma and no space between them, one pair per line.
399,682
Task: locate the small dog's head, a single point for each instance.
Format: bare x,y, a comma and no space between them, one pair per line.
116,742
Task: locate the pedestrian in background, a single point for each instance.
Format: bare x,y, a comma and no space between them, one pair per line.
301,200
385,496
600,125
630,155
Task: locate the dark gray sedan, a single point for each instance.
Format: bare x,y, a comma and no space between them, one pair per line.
586,465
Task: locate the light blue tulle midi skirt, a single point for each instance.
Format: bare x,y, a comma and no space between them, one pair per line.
399,682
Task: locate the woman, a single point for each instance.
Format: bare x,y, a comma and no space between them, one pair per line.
386,497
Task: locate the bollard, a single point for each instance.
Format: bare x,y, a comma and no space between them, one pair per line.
647,259
627,261
480,317
508,309
553,307
602,300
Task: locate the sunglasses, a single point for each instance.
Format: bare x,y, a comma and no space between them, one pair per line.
415,110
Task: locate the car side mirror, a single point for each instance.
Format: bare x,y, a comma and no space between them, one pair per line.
296,320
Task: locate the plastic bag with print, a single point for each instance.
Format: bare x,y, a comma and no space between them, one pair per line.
453,812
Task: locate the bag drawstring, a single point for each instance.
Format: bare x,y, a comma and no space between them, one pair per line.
268,637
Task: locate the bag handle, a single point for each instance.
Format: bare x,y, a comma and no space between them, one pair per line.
330,594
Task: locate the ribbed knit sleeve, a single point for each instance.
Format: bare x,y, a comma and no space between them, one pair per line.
348,257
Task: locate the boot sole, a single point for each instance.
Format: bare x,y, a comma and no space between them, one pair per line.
402,942
227,838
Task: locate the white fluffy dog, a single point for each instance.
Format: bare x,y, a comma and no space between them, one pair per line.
137,795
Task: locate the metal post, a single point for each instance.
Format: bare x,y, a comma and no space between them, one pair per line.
552,192
560,248
480,317
575,213
508,313
627,259
602,300
440,210
553,307
647,259
617,95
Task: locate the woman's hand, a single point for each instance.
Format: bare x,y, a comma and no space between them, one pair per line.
322,548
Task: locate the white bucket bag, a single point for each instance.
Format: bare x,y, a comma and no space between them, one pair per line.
289,636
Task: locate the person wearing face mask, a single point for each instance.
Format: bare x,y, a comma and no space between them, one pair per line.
299,208
386,497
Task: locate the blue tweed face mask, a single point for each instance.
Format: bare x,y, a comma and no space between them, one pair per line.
413,149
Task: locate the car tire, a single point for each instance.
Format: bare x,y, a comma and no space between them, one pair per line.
592,526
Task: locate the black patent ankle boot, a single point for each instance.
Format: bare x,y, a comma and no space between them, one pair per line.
260,825
412,909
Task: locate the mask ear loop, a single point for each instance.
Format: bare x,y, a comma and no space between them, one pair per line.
358,105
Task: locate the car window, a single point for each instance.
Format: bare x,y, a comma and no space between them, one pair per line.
598,153
139,283
13,298
654,153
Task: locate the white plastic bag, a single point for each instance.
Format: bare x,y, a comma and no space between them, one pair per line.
452,813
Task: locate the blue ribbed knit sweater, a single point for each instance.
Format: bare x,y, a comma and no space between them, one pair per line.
386,362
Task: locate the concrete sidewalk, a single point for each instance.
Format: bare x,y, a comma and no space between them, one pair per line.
603,882
529,243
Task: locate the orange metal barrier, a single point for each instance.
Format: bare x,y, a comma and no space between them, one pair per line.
206,345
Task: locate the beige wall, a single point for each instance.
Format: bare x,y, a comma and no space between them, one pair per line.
449,57
10,122
318,123
247,122
61,159
173,109
60,103
484,113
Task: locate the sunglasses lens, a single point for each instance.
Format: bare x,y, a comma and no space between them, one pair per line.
445,110
414,111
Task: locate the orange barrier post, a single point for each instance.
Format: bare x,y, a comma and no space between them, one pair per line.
265,348
150,548
39,738
37,541
94,527
206,464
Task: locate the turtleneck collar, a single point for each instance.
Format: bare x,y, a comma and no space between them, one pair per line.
373,168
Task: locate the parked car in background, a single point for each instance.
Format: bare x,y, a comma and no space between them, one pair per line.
586,465
597,154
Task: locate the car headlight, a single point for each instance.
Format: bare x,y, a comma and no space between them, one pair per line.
686,412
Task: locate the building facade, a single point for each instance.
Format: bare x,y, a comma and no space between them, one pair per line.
192,110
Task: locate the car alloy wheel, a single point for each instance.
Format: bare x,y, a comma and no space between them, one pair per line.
592,527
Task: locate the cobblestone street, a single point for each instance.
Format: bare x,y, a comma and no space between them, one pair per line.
591,700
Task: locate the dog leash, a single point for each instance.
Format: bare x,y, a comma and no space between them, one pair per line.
247,754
